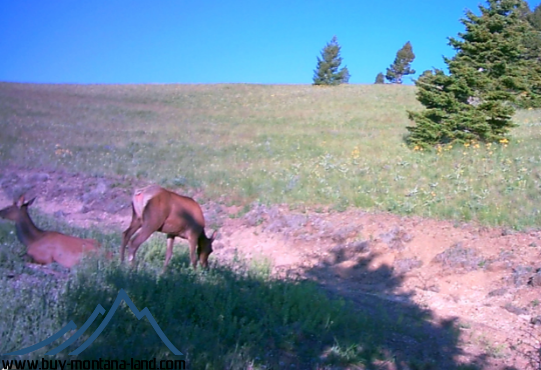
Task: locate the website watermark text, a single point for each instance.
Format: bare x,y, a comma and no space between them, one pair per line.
100,364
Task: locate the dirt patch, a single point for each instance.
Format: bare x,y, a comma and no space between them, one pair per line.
486,281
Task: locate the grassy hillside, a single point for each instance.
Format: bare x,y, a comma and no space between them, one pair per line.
301,145
234,316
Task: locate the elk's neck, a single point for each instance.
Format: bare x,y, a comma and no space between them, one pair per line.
27,231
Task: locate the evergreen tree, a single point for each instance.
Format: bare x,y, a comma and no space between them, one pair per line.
327,71
534,18
454,114
380,78
532,40
489,72
401,65
495,44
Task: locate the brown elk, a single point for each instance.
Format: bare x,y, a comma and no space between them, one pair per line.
157,209
42,246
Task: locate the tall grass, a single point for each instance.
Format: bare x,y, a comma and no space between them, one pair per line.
298,144
234,317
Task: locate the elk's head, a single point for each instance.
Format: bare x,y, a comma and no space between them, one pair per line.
13,212
204,249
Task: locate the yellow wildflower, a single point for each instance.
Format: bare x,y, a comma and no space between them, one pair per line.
355,153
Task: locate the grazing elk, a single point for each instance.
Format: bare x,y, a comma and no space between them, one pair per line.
42,246
157,209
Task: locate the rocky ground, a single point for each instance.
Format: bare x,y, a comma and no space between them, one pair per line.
481,283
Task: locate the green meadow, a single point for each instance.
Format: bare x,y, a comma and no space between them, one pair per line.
301,145
305,146
230,317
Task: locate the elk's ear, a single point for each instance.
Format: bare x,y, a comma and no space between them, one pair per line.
213,236
29,202
20,202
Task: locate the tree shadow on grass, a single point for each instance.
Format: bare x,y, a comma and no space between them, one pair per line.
234,317
227,318
410,336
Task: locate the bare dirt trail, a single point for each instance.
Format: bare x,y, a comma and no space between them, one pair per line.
479,282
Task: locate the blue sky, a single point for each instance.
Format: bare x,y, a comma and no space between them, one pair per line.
199,41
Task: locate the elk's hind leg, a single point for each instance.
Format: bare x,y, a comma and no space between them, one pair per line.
144,233
150,224
135,225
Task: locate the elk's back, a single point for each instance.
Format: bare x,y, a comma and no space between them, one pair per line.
142,196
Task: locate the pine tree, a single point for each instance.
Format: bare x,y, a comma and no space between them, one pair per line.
327,71
495,44
454,114
534,18
401,65
489,72
532,40
380,79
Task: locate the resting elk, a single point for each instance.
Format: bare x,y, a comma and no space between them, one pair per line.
42,246
157,209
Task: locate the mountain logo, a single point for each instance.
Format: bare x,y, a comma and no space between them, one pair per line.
122,296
